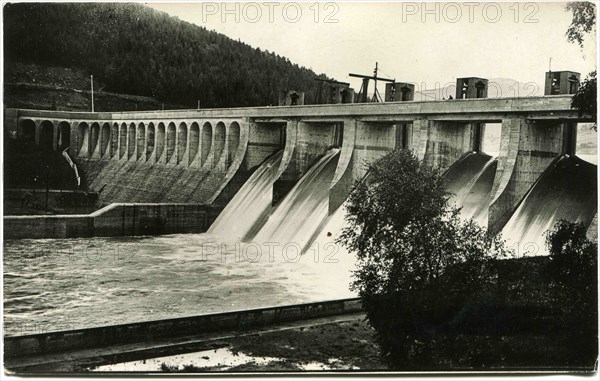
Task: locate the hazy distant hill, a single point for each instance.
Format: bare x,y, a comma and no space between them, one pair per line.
140,51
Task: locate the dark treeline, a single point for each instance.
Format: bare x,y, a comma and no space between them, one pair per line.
137,50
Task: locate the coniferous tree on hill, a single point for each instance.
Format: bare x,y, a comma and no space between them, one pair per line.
137,50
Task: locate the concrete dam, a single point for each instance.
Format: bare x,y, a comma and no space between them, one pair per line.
205,156
247,178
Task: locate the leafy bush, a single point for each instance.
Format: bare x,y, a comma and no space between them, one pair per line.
418,263
574,266
584,101
573,269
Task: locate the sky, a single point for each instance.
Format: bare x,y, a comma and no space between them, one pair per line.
423,43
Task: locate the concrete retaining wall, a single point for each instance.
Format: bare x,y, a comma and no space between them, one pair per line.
56,198
113,220
53,342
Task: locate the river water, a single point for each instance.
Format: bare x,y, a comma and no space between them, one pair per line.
59,284
76,283
290,257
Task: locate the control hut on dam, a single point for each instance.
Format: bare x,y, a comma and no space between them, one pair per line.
205,156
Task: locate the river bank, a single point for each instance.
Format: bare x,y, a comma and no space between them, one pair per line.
346,345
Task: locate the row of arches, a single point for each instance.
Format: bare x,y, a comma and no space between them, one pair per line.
161,142
165,142
47,135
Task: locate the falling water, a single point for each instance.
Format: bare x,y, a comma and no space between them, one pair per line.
470,181
250,203
330,253
303,212
127,279
566,191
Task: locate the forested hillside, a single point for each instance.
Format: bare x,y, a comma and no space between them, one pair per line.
137,50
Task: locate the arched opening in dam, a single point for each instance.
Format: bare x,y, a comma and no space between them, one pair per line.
27,130
141,140
123,141
114,141
46,134
233,140
219,142
337,135
160,141
206,141
131,140
194,141
151,140
82,139
105,140
64,135
94,137
171,141
586,140
182,133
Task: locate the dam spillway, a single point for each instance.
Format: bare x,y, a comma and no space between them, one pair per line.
205,156
567,190
250,204
302,213
209,156
470,182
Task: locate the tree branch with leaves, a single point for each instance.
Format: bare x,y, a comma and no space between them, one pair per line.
582,25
